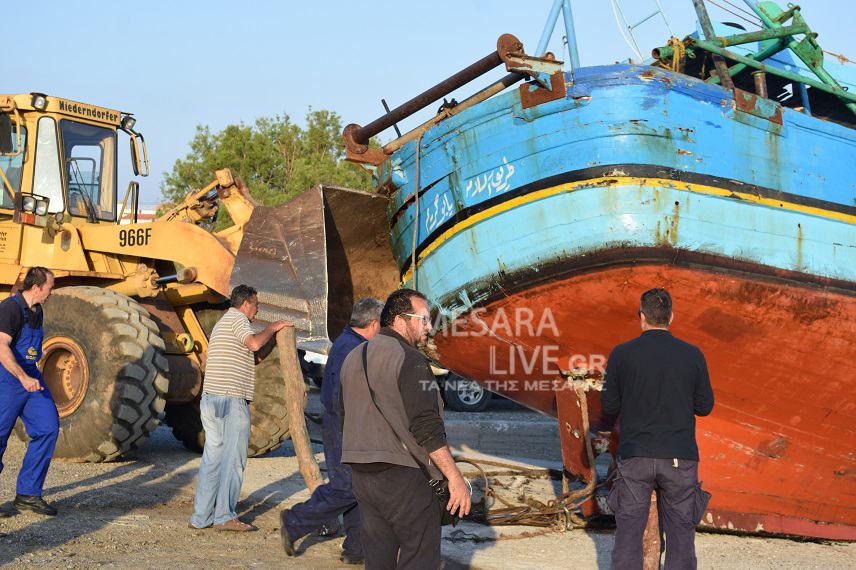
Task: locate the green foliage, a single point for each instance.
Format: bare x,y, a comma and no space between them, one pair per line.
276,158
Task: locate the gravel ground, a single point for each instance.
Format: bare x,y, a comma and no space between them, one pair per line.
133,513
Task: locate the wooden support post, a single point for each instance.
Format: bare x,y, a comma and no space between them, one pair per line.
651,538
295,389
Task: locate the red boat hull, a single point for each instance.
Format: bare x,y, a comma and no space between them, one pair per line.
778,453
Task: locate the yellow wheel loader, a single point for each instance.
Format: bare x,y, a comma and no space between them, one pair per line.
126,329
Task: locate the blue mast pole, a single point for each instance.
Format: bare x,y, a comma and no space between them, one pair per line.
548,28
571,34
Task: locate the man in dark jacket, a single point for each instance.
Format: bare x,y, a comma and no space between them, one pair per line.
656,384
395,441
335,497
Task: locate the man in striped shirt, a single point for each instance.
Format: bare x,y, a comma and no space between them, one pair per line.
225,411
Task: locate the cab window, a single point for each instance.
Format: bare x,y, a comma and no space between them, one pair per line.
90,162
47,180
13,168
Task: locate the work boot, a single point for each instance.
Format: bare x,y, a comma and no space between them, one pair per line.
33,503
351,558
287,543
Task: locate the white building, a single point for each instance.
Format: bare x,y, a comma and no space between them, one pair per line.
146,214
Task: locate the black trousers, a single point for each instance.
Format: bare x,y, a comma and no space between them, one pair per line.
680,503
400,519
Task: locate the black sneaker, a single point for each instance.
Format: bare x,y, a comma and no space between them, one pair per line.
351,558
33,503
287,543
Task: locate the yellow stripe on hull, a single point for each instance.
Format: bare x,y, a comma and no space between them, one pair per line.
611,181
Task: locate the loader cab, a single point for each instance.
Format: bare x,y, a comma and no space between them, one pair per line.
89,157
59,159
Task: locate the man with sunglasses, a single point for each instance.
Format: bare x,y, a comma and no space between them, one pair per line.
395,441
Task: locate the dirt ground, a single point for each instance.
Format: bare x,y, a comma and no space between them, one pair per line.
133,514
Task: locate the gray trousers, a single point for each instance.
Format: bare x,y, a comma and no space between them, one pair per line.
680,503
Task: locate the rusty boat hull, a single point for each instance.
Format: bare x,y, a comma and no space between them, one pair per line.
777,452
644,178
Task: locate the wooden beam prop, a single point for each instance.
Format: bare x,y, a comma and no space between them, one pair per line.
295,389
651,538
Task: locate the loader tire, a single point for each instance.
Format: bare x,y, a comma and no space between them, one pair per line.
104,363
208,314
183,420
268,410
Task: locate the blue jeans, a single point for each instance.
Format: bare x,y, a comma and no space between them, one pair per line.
226,420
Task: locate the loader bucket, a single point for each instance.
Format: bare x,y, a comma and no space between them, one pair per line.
311,258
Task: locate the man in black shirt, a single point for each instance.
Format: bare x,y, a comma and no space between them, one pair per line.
656,384
23,392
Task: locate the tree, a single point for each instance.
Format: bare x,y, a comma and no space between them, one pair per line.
276,159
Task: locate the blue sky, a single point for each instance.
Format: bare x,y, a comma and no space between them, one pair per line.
179,64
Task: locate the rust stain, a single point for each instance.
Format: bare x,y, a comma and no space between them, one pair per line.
775,448
755,294
675,223
600,183
759,107
799,266
804,309
724,326
807,311
531,98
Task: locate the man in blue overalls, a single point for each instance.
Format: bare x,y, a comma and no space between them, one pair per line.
335,497
23,393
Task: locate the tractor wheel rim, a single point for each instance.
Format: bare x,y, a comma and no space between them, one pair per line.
66,373
469,392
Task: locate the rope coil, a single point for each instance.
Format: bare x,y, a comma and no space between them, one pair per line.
556,514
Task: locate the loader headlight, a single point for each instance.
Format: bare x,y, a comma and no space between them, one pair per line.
39,101
41,207
128,122
28,204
